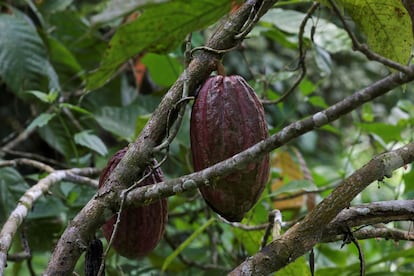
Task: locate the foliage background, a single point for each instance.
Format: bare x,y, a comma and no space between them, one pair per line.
77,116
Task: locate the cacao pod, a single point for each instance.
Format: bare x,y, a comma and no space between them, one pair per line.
93,258
227,118
140,228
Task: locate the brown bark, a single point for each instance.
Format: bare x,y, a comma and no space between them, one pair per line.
304,235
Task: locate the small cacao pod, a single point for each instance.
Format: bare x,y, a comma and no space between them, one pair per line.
227,118
93,258
140,228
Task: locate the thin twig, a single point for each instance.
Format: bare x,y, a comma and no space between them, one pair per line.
251,21
244,226
302,56
215,51
273,218
82,180
21,137
37,157
171,132
304,192
27,162
312,262
349,237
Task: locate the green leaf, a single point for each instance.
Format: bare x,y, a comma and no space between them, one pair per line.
298,267
164,69
39,94
47,207
328,36
75,108
119,120
306,87
318,101
62,55
367,113
86,139
323,60
140,123
41,120
387,132
251,240
24,66
186,243
57,136
46,98
159,29
51,6
386,25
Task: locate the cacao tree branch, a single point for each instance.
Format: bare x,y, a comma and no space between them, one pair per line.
380,232
37,157
139,153
85,224
373,214
26,202
27,162
384,167
240,160
304,235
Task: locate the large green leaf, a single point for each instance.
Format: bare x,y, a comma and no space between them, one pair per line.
386,25
159,29
23,58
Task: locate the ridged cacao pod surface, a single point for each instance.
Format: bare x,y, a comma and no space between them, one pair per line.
227,118
140,228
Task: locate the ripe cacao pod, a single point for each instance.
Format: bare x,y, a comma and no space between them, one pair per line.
227,118
140,228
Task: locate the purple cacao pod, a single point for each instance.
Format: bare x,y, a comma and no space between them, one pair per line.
227,118
140,228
